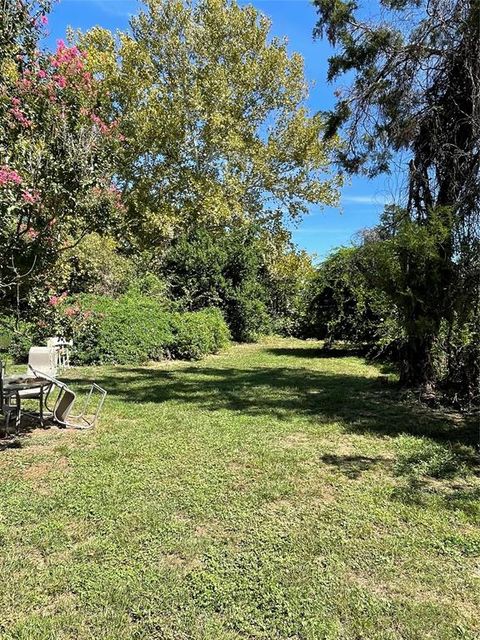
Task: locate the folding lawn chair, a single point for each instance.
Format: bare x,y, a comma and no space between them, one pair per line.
62,409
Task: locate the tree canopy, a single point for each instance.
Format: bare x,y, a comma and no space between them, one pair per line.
213,112
57,148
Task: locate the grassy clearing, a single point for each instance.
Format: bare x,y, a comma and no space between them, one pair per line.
268,492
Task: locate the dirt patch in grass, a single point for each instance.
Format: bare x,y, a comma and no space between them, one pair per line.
40,470
294,440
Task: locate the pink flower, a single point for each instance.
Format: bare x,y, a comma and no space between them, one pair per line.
56,300
44,20
30,197
20,117
25,84
61,81
42,74
70,311
9,176
103,126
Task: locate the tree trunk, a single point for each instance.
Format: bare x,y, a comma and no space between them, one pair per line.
416,368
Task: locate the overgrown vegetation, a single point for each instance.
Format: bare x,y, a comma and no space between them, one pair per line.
131,329
172,183
160,161
415,70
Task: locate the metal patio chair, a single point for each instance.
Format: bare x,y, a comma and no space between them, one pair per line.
62,409
7,409
41,364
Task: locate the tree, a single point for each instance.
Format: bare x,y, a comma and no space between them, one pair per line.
416,89
56,149
214,115
223,268
342,304
21,24
288,272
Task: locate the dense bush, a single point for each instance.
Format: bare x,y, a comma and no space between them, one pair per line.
6,332
342,305
197,333
18,340
247,316
232,270
456,358
134,329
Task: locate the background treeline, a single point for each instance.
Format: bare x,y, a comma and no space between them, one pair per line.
148,176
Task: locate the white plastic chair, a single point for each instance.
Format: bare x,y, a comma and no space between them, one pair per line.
61,351
42,360
53,345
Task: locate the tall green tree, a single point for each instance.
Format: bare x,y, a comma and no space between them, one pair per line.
213,111
222,268
416,91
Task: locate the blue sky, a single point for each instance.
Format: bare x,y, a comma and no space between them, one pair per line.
361,201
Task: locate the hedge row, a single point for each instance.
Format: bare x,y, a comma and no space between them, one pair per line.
132,330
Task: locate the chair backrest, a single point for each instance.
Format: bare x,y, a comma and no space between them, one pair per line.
53,341
64,405
41,359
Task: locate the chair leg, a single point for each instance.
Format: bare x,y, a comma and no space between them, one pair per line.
6,422
18,419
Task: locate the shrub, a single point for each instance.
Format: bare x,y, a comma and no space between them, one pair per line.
6,333
197,333
127,330
134,329
20,342
247,317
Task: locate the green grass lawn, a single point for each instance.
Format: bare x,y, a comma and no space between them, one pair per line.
268,492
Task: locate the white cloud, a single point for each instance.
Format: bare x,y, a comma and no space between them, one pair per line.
117,7
371,199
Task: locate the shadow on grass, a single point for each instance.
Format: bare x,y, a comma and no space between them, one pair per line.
314,352
354,466
361,404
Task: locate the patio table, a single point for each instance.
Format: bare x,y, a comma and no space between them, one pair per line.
23,383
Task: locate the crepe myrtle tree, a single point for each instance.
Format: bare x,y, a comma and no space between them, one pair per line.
56,152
